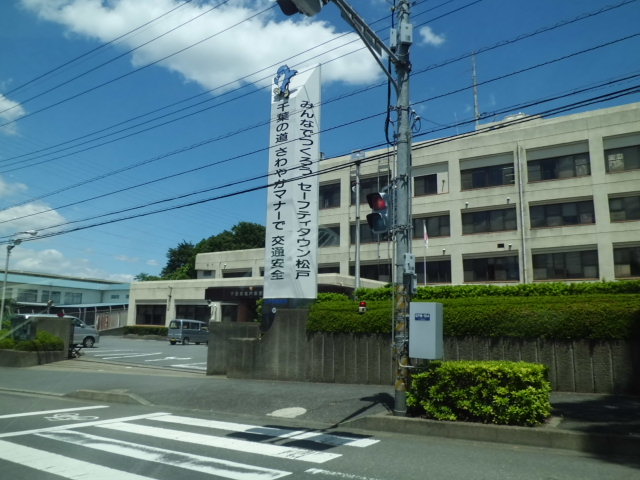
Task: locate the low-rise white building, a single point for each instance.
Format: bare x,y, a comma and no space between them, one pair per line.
536,200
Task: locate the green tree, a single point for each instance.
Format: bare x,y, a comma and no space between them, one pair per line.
178,258
181,260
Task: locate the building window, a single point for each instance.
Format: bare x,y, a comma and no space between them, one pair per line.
438,271
236,273
558,214
491,269
329,195
436,226
194,312
47,295
565,265
151,314
329,268
556,168
27,295
378,271
207,273
329,236
622,153
366,235
369,185
115,297
489,221
626,261
72,298
490,176
624,208
621,159
425,185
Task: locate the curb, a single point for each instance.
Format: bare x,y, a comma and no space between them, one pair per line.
110,396
547,437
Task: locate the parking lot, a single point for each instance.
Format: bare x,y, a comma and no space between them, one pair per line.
151,353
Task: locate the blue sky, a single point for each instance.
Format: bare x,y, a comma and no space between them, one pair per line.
116,108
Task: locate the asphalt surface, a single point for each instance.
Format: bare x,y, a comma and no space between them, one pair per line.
595,423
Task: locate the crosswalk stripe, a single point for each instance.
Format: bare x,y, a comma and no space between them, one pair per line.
48,412
198,463
320,437
290,453
56,464
79,425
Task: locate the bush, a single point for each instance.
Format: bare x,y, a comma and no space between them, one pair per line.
146,330
6,342
44,342
503,393
585,316
342,317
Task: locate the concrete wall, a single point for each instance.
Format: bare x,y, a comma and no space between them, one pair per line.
288,352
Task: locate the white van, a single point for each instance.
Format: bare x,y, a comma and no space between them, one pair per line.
182,330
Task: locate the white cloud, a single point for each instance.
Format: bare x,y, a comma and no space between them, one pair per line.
10,189
429,37
9,111
32,216
54,261
242,47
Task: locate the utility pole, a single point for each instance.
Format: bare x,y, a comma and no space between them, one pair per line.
402,229
405,279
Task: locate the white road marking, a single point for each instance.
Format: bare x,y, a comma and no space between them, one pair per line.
48,412
291,412
198,463
349,476
134,355
80,425
194,366
315,436
55,464
168,358
278,451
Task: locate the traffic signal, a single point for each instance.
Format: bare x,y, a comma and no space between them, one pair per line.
307,7
379,220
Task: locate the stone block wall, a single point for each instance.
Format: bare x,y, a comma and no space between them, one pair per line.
288,352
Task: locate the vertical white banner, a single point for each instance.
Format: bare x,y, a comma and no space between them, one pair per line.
292,199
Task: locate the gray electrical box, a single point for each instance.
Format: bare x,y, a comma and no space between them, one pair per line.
425,330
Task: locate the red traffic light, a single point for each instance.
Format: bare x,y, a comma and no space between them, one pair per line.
377,201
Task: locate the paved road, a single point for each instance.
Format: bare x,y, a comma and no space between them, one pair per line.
151,353
54,438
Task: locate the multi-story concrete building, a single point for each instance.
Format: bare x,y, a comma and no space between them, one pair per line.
523,200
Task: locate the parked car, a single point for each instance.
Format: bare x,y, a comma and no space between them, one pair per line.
83,334
185,331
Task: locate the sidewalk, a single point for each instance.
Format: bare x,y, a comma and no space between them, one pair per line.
599,424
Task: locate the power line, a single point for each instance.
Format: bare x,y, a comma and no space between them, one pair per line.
229,134
544,113
136,70
92,51
431,67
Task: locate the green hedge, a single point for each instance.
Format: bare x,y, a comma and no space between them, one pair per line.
545,289
504,393
341,316
44,342
588,316
146,330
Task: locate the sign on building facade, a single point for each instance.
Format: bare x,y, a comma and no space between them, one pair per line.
292,199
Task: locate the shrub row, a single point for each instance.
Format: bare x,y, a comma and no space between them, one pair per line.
44,342
520,290
146,330
503,393
587,317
